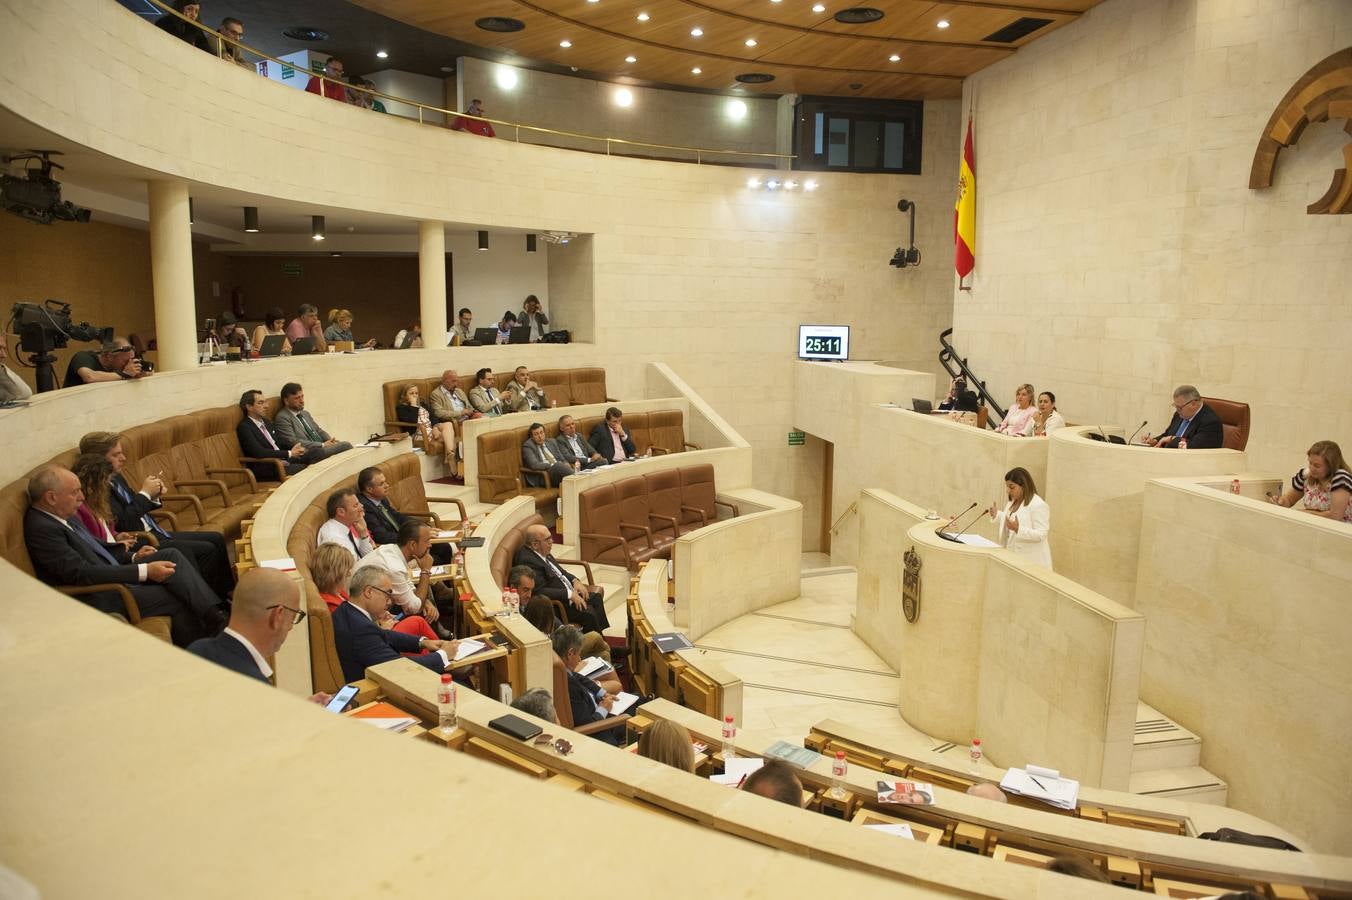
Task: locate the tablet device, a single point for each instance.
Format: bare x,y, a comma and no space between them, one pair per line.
303,346
515,726
272,345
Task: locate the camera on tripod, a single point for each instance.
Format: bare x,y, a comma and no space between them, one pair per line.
42,329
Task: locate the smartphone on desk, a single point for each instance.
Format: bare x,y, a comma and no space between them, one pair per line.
342,698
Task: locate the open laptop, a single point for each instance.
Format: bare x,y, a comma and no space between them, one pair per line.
519,335
303,346
922,406
485,337
272,345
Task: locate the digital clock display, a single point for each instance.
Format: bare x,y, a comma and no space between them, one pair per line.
824,342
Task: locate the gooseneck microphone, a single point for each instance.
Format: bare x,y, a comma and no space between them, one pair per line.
1137,431
954,537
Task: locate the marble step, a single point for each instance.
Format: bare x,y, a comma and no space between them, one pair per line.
1162,743
1191,783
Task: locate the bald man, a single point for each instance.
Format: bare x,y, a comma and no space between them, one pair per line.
583,604
262,615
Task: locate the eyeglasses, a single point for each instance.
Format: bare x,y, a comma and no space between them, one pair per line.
1179,407
562,746
389,594
299,615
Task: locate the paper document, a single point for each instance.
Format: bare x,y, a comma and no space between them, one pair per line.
737,769
799,757
1047,785
468,647
594,665
451,535
623,700
285,564
395,725
913,793
898,829
974,540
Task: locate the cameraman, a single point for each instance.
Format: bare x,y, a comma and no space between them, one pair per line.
12,387
114,361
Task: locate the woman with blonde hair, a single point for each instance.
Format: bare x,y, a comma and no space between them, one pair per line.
1324,486
438,437
667,742
1017,419
340,328
331,567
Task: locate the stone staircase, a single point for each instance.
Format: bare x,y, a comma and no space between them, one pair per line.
1165,761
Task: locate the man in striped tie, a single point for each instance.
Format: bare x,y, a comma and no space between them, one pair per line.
295,425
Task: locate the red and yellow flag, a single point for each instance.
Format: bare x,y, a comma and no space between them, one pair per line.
964,212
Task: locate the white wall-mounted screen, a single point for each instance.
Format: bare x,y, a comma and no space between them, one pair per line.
826,342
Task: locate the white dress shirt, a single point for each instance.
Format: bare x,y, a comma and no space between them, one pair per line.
390,558
335,532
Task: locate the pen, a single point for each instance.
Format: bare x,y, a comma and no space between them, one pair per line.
1038,783
741,782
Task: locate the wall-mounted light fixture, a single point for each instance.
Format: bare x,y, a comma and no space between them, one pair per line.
530,243
483,240
317,227
251,219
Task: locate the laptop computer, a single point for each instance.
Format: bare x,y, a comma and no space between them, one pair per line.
272,345
303,346
519,335
485,337
922,406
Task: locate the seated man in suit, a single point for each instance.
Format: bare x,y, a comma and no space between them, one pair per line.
131,512
590,702
361,643
293,425
524,394
1193,423
346,525
484,397
261,617
610,439
449,403
538,453
583,603
258,440
382,519
163,582
572,449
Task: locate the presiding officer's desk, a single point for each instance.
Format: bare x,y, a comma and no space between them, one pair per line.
1247,637
1037,666
1095,491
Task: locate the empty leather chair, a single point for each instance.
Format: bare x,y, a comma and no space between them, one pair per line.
557,385
699,499
658,536
588,386
666,432
1234,418
604,538
664,501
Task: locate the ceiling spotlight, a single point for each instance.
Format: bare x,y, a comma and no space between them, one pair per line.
381,54
818,8
751,42
643,17
317,227
697,32
809,185
251,219
623,97
772,185
943,23
565,44
695,71
336,253
753,183
593,1
483,240
631,59
894,58
789,185
530,243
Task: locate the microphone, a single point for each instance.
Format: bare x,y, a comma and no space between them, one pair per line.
1111,438
1137,431
954,521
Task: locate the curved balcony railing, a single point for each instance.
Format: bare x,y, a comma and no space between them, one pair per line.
610,146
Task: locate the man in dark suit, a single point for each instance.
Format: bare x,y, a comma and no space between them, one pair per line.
258,439
589,701
131,512
584,604
382,519
263,614
294,424
610,439
538,453
1193,422
163,582
361,643
572,449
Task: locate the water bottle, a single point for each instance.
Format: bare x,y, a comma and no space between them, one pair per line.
516,602
838,770
1234,485
975,757
729,738
506,601
464,527
459,562
446,704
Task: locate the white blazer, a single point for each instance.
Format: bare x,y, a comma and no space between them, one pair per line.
1030,541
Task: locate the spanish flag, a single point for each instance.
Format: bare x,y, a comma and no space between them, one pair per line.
964,212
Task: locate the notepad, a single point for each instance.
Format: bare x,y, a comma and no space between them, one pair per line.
385,716
594,665
670,641
794,755
623,700
468,647
736,770
447,534
897,829
1046,785
285,564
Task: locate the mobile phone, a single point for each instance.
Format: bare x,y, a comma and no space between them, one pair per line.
341,699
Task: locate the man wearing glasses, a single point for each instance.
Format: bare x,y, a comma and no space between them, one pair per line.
261,617
1194,426
114,361
334,81
233,29
361,643
583,603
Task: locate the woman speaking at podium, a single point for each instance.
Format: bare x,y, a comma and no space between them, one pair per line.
1025,520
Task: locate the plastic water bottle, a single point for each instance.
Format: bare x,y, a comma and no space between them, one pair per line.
459,562
446,704
506,601
464,527
838,770
516,602
729,738
974,765
1234,485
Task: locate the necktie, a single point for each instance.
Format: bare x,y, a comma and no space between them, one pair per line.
386,513
90,542
352,536
549,457
148,523
554,567
309,432
1182,427
266,434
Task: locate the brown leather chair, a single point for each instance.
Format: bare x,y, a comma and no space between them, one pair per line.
408,493
563,707
699,499
603,538
982,415
500,470
637,426
1234,418
556,383
390,393
664,501
666,432
587,386
635,516
500,564
326,669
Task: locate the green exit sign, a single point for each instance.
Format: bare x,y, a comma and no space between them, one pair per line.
291,270
797,438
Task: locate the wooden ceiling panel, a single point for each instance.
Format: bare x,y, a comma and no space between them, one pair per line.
807,52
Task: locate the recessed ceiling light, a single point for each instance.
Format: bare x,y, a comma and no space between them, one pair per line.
448,68
894,58
697,32
381,54
631,59
818,8
565,44
695,71
751,42
943,23
643,17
